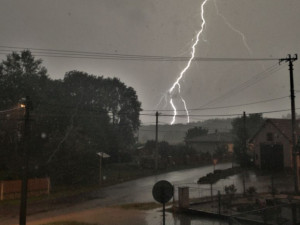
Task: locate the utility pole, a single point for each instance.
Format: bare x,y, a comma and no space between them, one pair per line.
244,151
245,136
156,142
290,60
23,205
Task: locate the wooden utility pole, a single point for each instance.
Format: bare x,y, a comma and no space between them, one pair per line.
244,151
156,142
290,60
23,205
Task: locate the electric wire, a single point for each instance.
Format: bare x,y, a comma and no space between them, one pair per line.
220,107
114,56
219,115
252,81
170,115
10,110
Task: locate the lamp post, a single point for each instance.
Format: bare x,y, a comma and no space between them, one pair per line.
23,206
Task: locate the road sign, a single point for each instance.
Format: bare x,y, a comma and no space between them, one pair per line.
162,191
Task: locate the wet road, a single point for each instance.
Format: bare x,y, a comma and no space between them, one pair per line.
140,190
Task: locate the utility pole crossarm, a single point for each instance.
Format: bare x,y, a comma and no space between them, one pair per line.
289,58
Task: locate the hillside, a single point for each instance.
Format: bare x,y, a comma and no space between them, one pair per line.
175,134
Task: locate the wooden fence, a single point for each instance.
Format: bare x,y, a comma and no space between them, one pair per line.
11,189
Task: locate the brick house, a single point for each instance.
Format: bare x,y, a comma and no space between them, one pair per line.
272,145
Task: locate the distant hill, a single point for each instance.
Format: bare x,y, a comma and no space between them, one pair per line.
175,134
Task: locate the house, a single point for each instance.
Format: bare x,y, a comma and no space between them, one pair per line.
211,142
272,145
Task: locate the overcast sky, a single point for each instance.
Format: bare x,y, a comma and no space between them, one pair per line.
168,28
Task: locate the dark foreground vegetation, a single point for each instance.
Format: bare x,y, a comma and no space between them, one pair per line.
70,121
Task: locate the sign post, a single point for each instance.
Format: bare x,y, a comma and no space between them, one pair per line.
102,156
163,192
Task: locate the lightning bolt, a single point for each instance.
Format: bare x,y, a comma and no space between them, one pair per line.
171,91
243,36
187,112
233,28
177,82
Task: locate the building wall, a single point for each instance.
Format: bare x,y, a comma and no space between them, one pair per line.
278,138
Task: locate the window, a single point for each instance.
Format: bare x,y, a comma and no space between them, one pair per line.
269,136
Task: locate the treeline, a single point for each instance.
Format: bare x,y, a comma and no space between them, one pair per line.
70,121
175,134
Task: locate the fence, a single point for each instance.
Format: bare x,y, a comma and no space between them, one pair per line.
264,208
286,213
12,189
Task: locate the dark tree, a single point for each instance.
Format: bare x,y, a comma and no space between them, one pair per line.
253,123
20,75
195,132
71,120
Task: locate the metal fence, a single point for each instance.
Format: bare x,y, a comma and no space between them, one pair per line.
270,201
288,213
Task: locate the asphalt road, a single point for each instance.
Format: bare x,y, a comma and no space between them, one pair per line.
140,190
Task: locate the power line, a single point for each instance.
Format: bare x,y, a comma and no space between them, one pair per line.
171,115
252,81
222,107
10,110
221,115
248,83
113,56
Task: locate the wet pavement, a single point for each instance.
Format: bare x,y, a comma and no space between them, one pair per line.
155,217
140,190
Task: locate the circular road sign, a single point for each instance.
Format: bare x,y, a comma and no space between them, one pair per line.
162,191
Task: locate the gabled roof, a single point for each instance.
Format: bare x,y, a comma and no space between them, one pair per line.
284,126
213,137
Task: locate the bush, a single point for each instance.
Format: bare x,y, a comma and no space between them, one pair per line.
251,191
230,190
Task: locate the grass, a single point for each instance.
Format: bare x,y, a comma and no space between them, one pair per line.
68,223
141,206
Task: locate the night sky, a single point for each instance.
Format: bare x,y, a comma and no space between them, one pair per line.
168,28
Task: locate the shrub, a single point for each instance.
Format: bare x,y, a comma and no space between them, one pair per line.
251,191
230,190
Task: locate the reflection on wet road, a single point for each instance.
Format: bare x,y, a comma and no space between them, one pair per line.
140,190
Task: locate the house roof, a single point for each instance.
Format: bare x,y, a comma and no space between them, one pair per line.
284,126
213,137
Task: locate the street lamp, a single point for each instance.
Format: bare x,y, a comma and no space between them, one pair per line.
23,205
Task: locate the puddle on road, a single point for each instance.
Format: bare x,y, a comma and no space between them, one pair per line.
154,217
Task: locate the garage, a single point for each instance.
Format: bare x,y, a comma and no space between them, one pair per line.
271,156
